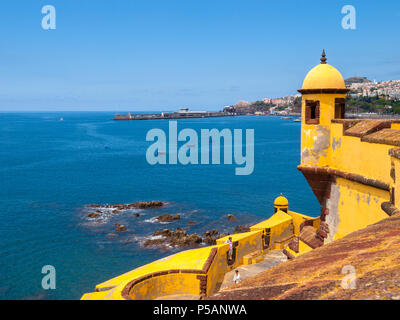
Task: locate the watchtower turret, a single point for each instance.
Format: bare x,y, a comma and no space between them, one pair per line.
323,99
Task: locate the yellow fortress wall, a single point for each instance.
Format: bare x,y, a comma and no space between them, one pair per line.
200,272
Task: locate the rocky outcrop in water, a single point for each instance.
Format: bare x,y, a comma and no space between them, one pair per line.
133,205
166,217
108,210
177,238
180,238
93,215
120,227
210,237
241,229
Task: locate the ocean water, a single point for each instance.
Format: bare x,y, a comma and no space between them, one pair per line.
51,170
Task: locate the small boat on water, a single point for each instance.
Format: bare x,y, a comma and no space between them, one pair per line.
297,120
61,119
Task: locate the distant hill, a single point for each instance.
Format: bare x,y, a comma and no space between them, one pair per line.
350,81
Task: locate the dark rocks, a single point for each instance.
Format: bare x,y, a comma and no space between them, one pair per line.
120,227
222,235
180,238
133,205
108,210
210,241
210,237
214,232
164,233
177,238
166,217
158,242
149,204
93,215
191,223
241,229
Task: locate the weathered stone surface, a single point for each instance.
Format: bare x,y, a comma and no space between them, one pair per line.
374,252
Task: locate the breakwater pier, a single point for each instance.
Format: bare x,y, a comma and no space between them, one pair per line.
181,114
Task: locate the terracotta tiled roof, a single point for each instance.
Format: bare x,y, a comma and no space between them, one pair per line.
365,127
385,136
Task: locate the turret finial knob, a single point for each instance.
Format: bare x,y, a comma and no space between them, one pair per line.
323,58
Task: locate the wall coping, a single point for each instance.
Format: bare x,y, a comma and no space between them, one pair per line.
346,175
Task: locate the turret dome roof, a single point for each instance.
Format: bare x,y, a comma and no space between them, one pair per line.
323,76
281,201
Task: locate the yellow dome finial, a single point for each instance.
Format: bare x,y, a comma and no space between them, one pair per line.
323,58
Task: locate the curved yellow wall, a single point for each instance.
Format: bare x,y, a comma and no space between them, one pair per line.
171,284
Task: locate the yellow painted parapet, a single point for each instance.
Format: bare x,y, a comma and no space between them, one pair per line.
200,272
351,154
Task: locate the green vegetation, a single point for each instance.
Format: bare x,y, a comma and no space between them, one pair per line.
378,105
261,106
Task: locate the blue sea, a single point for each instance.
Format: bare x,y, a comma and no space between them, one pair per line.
50,170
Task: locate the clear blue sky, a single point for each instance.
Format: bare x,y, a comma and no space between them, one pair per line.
163,55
